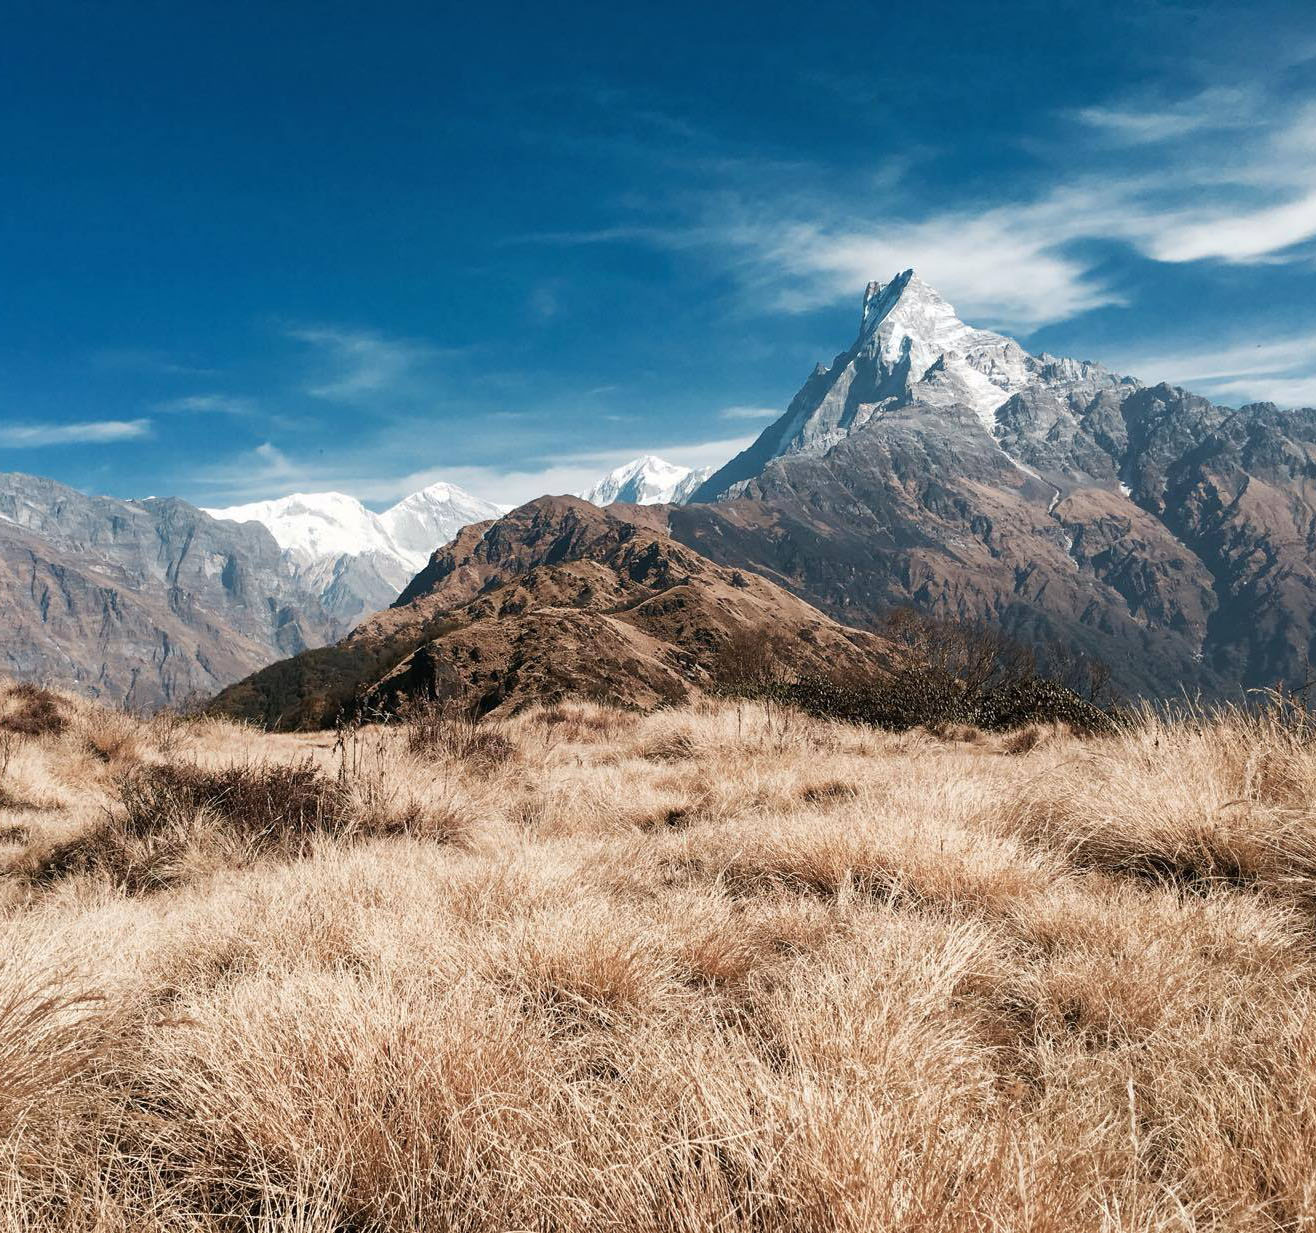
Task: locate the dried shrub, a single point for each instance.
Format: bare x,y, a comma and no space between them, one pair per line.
33,711
750,664
166,813
950,677
581,722
1023,740
275,803
678,746
831,790
113,736
171,731
961,734
597,719
446,731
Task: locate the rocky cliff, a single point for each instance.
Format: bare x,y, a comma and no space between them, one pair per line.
141,602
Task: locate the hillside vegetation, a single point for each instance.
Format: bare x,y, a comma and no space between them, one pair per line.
719,967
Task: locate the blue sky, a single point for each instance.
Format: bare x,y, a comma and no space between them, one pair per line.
250,249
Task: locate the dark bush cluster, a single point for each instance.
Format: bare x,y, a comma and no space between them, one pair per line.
33,711
909,699
166,812
946,673
276,803
323,687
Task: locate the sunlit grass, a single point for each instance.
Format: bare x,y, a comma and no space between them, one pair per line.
708,969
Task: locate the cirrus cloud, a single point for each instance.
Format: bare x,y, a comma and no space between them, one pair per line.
88,432
1226,175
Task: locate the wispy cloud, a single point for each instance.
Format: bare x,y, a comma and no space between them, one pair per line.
1281,370
94,432
148,360
353,364
1235,235
208,404
261,473
749,413
1298,391
1226,175
1148,122
274,459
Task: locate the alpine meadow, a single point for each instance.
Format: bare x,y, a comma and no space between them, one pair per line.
715,967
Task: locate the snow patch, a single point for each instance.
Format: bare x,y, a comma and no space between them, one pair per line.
907,319
427,519
312,525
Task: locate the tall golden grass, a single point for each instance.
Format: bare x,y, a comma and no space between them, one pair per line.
707,969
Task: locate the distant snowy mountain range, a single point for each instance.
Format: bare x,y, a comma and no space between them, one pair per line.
359,561
313,525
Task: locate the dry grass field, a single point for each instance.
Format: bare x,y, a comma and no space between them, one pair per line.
720,968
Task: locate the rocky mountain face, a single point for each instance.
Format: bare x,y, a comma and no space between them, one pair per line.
941,466
557,598
142,602
648,481
358,561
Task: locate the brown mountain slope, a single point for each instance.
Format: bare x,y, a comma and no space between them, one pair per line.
921,508
558,598
1201,576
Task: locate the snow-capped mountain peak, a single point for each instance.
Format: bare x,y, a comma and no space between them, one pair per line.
647,480
909,327
912,349
907,310
420,523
